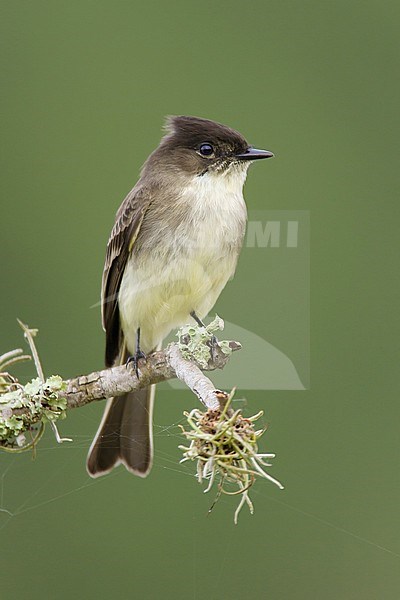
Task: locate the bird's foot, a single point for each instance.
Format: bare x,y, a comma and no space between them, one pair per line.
134,360
213,344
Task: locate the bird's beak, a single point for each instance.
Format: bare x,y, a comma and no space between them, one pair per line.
254,154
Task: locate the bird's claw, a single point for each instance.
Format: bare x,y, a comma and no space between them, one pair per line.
134,360
213,343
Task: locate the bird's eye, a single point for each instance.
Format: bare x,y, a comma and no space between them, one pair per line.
206,150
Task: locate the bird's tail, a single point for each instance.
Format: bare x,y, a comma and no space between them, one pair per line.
125,435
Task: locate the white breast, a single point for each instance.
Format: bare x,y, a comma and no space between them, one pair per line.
158,293
218,210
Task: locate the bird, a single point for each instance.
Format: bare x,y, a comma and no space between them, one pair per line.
174,246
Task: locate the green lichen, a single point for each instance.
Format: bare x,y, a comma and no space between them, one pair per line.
24,409
37,401
225,446
194,341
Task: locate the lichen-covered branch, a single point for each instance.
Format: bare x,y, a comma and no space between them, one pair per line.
222,442
41,400
159,366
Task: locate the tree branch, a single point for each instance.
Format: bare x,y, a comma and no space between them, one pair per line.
221,440
159,366
23,406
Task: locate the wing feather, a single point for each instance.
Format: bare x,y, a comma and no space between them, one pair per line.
126,228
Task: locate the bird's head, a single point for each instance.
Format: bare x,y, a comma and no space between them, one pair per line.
194,146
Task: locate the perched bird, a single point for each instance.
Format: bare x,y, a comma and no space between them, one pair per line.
174,246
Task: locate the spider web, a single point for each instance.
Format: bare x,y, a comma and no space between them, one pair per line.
31,480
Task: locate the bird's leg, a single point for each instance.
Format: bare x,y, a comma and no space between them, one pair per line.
138,354
213,343
197,319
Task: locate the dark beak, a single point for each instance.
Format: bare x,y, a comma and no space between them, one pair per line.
254,154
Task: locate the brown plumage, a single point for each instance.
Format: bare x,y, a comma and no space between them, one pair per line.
174,245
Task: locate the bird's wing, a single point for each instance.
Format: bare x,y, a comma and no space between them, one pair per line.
127,225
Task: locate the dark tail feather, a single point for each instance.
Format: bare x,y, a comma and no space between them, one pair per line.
125,435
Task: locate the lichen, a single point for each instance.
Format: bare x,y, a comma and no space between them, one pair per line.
194,341
37,400
24,409
225,446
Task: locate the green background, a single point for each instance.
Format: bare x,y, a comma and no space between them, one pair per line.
85,87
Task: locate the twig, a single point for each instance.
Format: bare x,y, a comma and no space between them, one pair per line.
222,441
29,334
20,406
